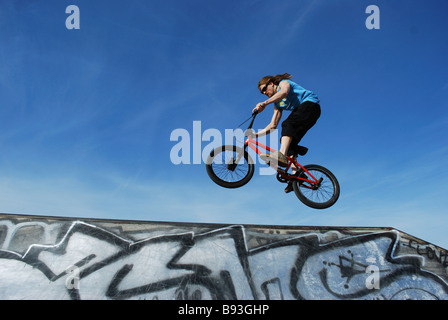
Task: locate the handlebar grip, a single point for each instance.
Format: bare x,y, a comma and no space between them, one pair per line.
255,113
249,132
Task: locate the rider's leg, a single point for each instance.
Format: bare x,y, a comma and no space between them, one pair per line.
285,142
279,157
294,167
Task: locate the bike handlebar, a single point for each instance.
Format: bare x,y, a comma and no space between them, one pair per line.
254,114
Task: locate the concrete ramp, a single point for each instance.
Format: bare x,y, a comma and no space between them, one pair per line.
70,258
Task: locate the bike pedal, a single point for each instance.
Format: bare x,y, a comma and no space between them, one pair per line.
281,170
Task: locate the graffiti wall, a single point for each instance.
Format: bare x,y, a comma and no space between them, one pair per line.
60,258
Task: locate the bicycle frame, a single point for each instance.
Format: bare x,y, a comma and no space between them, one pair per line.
253,144
231,166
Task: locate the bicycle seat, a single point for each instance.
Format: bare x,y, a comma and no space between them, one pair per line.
297,150
301,150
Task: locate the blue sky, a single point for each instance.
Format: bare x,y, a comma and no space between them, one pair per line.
86,115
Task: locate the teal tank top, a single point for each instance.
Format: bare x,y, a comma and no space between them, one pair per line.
296,96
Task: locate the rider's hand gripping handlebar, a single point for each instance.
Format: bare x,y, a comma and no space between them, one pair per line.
249,132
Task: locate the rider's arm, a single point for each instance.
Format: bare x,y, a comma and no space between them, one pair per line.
284,88
272,125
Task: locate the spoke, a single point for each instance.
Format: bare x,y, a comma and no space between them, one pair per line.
325,191
221,169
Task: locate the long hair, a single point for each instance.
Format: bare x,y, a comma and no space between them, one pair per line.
275,79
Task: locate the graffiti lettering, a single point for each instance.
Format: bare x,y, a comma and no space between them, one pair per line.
429,252
129,260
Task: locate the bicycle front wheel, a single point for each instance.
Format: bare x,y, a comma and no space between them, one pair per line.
230,166
320,196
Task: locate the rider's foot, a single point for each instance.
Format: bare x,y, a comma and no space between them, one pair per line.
289,187
276,158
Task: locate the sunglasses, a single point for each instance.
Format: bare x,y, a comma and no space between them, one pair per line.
263,90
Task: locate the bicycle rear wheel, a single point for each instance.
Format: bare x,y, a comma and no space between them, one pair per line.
230,166
320,196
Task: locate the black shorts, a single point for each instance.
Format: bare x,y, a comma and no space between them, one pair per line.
300,121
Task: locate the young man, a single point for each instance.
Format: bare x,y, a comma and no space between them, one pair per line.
305,110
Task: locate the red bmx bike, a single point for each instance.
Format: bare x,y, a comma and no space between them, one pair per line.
231,166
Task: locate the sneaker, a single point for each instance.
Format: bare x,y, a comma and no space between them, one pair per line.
275,157
289,187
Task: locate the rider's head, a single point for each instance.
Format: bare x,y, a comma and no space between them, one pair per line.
267,83
266,86
263,83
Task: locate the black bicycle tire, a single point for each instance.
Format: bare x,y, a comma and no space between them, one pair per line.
227,184
318,205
